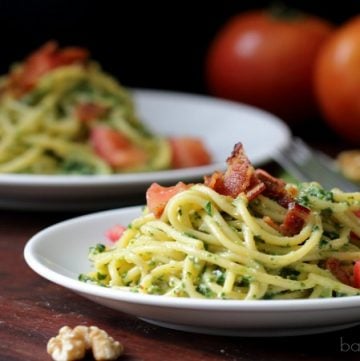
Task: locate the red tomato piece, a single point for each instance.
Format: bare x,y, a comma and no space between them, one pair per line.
114,233
116,149
188,152
356,276
157,196
335,267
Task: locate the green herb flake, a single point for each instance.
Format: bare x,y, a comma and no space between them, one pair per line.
77,166
99,248
268,296
323,243
208,208
85,278
187,234
327,212
219,276
100,276
258,238
289,273
206,291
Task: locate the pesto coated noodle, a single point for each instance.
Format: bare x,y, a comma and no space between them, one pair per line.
60,113
278,241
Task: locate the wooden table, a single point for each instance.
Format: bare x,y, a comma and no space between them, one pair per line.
33,309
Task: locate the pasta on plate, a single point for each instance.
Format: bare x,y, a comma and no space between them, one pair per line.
242,234
60,113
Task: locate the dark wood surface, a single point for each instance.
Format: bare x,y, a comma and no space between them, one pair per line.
33,309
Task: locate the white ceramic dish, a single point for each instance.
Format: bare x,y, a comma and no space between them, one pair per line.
219,123
59,254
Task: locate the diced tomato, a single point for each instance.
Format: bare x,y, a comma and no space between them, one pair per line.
86,112
356,275
188,152
157,196
47,58
354,237
115,149
335,267
115,232
357,213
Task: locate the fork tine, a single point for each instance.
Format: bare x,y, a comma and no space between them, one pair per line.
288,164
310,165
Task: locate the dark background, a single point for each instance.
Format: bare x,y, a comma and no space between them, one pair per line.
143,43
148,44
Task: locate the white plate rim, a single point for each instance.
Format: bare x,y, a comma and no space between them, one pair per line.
139,178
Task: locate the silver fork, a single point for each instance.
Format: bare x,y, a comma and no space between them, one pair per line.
307,164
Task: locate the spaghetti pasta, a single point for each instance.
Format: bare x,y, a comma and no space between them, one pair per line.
281,242
61,114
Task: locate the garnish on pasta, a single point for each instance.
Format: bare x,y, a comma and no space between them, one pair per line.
60,113
242,234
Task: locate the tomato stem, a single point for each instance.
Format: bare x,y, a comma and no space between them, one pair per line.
280,11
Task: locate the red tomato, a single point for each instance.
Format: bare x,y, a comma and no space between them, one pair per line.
335,267
337,80
157,196
115,149
266,60
114,233
188,152
356,277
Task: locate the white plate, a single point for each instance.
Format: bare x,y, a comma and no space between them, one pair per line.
59,254
219,123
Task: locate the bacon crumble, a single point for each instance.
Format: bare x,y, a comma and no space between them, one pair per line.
241,177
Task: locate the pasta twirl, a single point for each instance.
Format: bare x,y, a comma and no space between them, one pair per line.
60,113
270,241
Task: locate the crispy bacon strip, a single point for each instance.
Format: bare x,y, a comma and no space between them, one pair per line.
45,59
241,177
274,188
86,112
257,189
334,266
237,177
272,223
295,219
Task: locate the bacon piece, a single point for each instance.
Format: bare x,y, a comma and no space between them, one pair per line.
237,177
241,177
295,219
334,266
275,188
253,192
86,112
272,223
45,59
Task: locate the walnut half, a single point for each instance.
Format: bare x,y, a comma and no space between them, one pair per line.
72,344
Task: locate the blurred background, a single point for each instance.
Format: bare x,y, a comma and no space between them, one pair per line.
148,44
